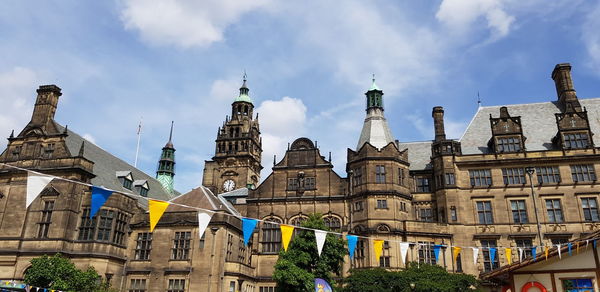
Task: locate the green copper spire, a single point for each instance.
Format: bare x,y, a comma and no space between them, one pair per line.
166,165
244,92
373,85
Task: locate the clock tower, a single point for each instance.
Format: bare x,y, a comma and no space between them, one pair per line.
236,163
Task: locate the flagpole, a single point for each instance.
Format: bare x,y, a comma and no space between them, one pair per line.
137,148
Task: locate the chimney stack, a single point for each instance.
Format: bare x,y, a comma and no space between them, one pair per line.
438,123
45,104
564,86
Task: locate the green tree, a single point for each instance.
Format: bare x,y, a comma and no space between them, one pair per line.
424,277
59,273
297,268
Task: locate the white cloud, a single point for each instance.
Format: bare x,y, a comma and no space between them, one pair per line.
89,137
17,87
184,23
225,89
591,38
460,15
281,121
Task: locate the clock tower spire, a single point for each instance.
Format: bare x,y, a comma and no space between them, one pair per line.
165,173
236,163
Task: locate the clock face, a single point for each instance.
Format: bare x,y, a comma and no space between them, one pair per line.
228,185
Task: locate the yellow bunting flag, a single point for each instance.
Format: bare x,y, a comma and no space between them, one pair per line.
577,247
546,251
455,252
508,252
378,246
157,208
286,235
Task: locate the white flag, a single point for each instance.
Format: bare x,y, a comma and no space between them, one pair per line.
35,185
520,254
475,254
320,236
404,251
558,246
203,220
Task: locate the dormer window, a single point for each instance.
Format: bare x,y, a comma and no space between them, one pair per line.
508,144
49,150
16,152
578,140
141,187
125,178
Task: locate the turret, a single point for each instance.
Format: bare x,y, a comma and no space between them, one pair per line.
166,165
242,106
375,129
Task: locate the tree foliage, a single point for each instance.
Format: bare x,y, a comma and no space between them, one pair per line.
425,277
59,273
297,268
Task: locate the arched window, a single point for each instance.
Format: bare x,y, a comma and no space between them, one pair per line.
382,228
334,223
271,236
298,220
245,110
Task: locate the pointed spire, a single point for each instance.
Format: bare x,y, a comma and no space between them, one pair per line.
375,129
82,148
12,134
244,91
373,85
170,143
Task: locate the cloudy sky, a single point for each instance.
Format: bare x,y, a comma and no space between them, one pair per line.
308,63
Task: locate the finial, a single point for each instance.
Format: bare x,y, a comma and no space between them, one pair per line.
171,133
12,134
478,100
245,75
66,129
82,148
373,77
274,159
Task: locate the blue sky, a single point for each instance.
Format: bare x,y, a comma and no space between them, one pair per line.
308,63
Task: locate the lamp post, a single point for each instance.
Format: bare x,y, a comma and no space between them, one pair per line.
530,171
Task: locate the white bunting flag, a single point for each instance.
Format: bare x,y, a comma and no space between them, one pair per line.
35,185
520,254
404,251
475,254
559,256
203,220
320,236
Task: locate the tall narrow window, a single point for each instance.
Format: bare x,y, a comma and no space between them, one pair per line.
105,224
176,285
385,258
380,174
181,246
333,223
488,264
357,177
554,210
271,236
583,172
143,246
449,179
547,174
120,228
401,176
359,256
590,209
137,285
229,255
381,204
46,219
88,225
484,211
519,212
513,176
480,177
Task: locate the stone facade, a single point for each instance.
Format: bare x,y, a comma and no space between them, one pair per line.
471,192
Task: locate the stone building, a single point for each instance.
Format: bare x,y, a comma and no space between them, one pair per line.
471,192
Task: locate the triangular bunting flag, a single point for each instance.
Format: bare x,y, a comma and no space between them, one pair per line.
35,185
455,252
558,248
594,243
378,246
203,220
570,246
286,235
157,208
546,252
99,197
577,247
436,252
404,251
475,255
508,253
520,254
248,226
320,236
534,252
352,239
492,254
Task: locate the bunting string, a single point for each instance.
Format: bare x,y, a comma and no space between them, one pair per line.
37,181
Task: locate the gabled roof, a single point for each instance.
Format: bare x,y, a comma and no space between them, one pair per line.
419,154
538,120
106,167
200,197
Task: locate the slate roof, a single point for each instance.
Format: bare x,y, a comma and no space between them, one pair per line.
107,165
419,154
538,120
375,130
201,197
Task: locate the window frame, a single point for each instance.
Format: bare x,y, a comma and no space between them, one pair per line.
548,174
182,242
481,177
583,173
380,174
592,211
143,246
270,239
381,204
554,210
520,212
513,176
487,211
46,219
172,287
